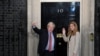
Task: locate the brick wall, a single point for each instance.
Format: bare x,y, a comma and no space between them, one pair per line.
13,28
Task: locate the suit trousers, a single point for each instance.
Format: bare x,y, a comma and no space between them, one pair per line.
48,53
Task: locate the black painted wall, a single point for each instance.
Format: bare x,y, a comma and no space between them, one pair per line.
13,28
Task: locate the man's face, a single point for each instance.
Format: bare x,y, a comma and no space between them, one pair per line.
50,28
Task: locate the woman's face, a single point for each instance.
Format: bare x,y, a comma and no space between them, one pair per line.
72,27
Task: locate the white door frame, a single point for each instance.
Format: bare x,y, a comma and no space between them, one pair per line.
86,24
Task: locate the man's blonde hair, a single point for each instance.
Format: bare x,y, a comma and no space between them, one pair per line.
51,23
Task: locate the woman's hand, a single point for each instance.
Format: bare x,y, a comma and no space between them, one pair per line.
63,31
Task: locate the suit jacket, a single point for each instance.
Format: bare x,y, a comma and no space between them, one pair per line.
43,39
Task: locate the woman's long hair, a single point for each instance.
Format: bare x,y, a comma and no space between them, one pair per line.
74,31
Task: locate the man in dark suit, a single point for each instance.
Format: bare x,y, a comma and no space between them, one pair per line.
47,40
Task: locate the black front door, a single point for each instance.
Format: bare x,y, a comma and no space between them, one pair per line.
97,28
61,13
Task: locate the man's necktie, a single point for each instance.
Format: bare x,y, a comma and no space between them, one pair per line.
50,42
